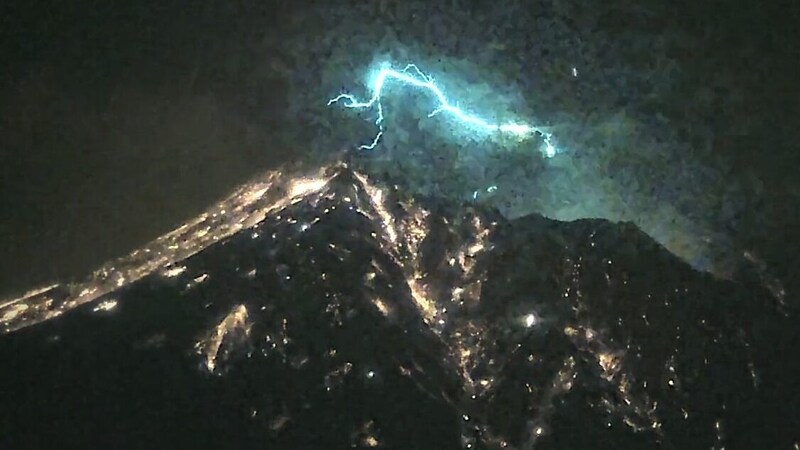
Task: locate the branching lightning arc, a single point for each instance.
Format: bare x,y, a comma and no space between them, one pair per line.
412,76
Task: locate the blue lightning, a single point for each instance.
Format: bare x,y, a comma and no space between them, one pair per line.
411,75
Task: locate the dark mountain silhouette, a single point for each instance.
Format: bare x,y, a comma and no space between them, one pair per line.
330,312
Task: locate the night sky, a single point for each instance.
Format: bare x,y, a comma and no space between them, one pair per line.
120,120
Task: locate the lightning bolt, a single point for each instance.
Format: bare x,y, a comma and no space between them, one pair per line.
412,76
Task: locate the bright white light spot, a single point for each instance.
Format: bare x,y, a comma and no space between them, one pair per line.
549,150
530,320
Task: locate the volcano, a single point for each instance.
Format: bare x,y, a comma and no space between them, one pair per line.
328,310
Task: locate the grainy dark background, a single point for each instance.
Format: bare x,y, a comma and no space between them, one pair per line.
118,120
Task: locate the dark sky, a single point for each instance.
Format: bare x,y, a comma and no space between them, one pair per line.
119,120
